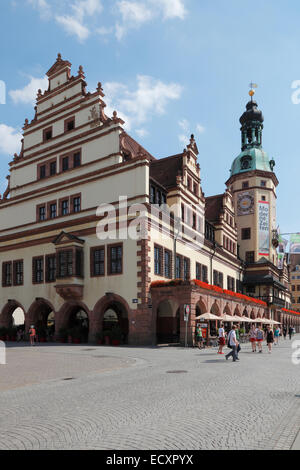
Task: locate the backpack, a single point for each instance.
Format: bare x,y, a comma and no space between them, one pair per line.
228,340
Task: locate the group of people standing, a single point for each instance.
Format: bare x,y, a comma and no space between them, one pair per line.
256,335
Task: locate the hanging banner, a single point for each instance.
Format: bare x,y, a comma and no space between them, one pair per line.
295,243
264,228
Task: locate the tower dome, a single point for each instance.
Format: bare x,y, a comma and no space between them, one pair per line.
252,156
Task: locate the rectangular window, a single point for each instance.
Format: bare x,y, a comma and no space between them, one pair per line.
182,213
246,233
263,183
250,289
152,195
65,163
42,171
52,168
65,207
178,267
98,261
168,264
198,271
7,274
42,213
204,274
249,257
245,184
186,269
69,124
18,273
79,262
53,210
38,270
230,283
115,259
50,268
76,159
157,261
65,263
77,204
218,278
47,134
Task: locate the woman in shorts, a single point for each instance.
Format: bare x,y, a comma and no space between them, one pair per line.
253,338
259,338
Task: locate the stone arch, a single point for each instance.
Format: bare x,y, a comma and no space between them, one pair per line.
237,311
107,305
6,316
227,309
38,314
168,321
74,315
201,307
215,309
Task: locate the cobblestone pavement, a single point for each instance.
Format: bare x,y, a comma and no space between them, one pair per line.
132,398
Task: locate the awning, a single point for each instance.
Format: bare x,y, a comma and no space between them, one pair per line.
208,316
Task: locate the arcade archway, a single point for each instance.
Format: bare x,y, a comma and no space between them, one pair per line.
168,322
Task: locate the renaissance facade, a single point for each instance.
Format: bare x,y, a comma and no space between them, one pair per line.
59,269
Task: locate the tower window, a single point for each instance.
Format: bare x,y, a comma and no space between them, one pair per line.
263,183
246,233
246,162
249,257
245,184
263,198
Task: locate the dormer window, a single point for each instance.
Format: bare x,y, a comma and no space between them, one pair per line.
47,134
246,162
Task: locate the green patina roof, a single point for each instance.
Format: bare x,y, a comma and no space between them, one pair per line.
259,161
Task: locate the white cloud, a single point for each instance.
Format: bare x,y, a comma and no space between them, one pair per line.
142,132
171,8
42,6
27,95
186,128
73,26
150,98
200,129
10,140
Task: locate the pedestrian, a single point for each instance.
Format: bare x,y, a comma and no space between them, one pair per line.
199,337
259,338
237,334
221,339
269,338
276,336
253,338
32,335
233,345
284,331
291,331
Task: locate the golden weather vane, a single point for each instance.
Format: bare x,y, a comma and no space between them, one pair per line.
252,87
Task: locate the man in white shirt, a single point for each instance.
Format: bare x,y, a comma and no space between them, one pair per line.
221,339
233,343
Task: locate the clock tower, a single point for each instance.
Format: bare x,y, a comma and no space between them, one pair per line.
253,185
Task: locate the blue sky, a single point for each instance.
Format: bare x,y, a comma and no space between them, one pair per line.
171,68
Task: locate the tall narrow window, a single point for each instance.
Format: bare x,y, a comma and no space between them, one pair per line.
65,163
42,171
65,207
115,259
52,168
98,262
77,204
50,268
76,159
167,264
204,273
157,261
7,274
42,213
198,271
178,267
186,269
18,273
38,270
53,210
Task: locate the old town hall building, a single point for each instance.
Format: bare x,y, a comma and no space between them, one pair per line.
54,267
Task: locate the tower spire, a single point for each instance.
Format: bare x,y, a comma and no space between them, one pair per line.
252,123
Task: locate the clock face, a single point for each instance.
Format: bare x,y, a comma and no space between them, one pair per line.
245,204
